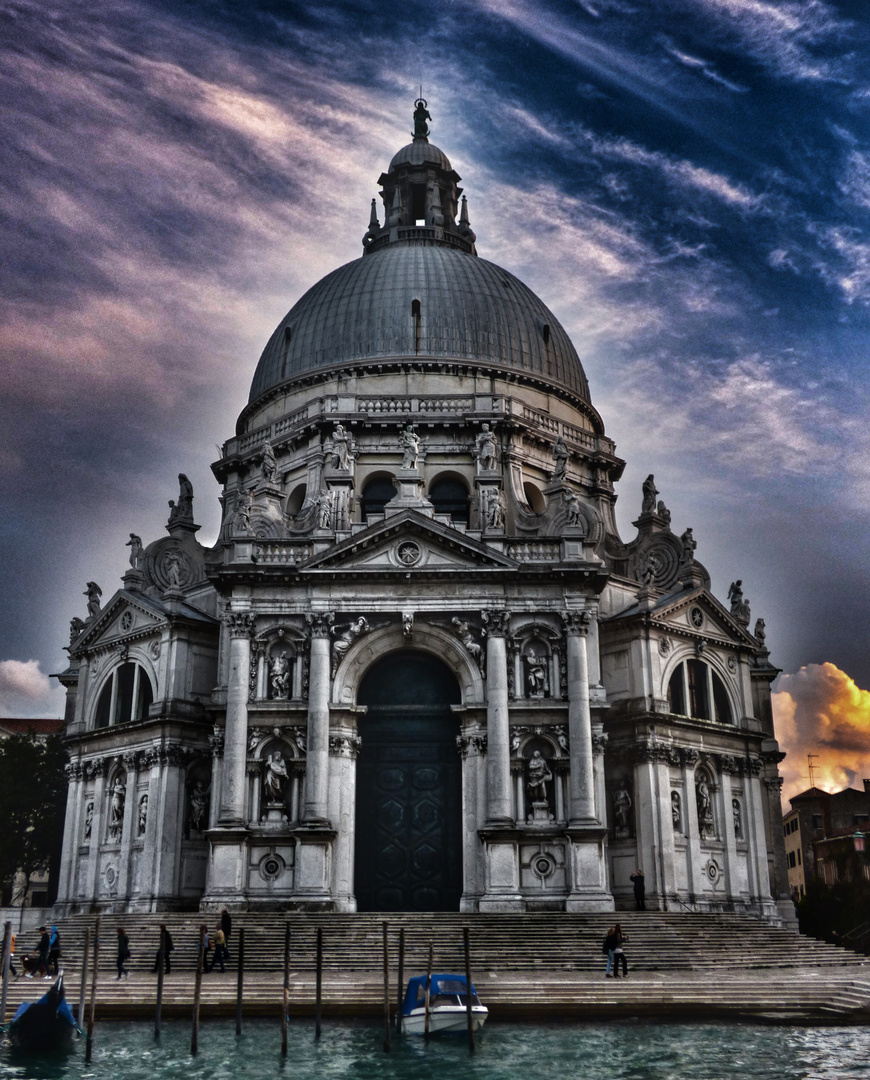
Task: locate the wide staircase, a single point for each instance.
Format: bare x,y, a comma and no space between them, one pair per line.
680,964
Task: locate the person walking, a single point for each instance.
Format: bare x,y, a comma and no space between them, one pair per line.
609,946
41,960
54,953
167,949
227,927
123,952
639,889
220,949
12,970
619,952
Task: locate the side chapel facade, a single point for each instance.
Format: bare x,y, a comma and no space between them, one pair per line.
420,669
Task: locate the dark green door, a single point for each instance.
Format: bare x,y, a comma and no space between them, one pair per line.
408,798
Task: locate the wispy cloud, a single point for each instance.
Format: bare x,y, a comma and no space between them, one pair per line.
26,691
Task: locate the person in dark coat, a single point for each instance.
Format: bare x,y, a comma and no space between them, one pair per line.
619,952
639,889
226,926
53,953
123,952
41,960
167,950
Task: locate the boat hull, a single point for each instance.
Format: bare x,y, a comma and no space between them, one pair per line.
445,1020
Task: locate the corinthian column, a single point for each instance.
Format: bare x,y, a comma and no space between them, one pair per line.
317,754
233,786
498,759
581,782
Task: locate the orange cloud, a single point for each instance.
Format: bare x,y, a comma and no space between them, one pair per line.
819,710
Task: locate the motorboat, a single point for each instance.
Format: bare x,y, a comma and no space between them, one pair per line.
46,1024
448,1003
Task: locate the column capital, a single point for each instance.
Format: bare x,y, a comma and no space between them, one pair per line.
319,623
239,623
577,622
496,621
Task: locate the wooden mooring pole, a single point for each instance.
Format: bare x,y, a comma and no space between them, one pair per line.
89,1043
7,950
240,980
318,981
83,984
468,1003
161,958
197,992
400,988
428,990
285,996
386,929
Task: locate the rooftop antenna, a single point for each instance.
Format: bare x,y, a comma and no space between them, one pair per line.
811,768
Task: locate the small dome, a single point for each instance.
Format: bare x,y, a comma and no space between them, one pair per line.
421,301
421,152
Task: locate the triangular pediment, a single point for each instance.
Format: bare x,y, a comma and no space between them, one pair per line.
409,542
127,615
699,614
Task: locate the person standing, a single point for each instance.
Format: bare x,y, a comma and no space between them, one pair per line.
41,960
123,952
609,946
227,927
54,953
220,949
619,952
167,949
639,889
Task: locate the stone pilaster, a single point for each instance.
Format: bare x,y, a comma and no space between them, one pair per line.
581,782
498,771
315,810
233,788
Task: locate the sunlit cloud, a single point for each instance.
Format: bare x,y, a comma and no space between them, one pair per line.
820,711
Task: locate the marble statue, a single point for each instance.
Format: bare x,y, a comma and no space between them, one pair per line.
622,807
739,607
759,633
324,509
76,625
242,519
340,451
173,566
89,820
485,449
676,811
143,815
689,544
705,810
279,677
342,644
275,777
663,512
269,465
93,592
738,823
648,505
462,631
135,546
198,805
560,457
573,508
537,674
494,508
409,444
539,777
116,809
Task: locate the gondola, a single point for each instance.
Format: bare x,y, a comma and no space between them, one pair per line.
44,1025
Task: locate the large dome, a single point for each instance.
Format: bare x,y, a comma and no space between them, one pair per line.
412,299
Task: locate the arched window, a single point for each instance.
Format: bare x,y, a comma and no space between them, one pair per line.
696,690
449,495
534,497
376,494
125,697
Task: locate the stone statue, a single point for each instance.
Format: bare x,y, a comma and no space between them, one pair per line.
342,644
485,449
268,466
689,544
183,509
462,631
279,677
143,814
274,778
573,508
739,607
649,567
340,451
622,808
494,508
663,512
135,546
705,811
421,115
738,823
116,811
407,626
760,634
537,674
242,519
324,509
539,776
516,739
650,491
89,820
409,444
174,567
560,457
76,625
676,811
93,592
198,806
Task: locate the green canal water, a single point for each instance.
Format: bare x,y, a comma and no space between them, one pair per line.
354,1050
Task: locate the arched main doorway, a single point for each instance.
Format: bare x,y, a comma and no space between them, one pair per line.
409,788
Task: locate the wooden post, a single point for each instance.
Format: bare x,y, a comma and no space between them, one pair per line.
285,997
468,1013
428,988
240,980
89,1044
83,985
197,992
7,947
401,988
161,955
318,980
386,927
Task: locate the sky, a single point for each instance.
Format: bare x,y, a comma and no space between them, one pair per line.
686,184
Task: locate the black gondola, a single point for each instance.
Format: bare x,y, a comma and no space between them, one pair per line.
47,1024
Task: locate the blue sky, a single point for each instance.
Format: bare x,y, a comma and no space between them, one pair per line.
685,183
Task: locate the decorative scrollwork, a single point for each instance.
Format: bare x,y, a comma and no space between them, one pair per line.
577,622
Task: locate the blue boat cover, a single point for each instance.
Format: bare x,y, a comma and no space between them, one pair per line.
443,983
63,1009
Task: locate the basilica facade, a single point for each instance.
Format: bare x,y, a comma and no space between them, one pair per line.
420,669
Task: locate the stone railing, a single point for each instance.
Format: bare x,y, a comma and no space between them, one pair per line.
535,551
283,552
